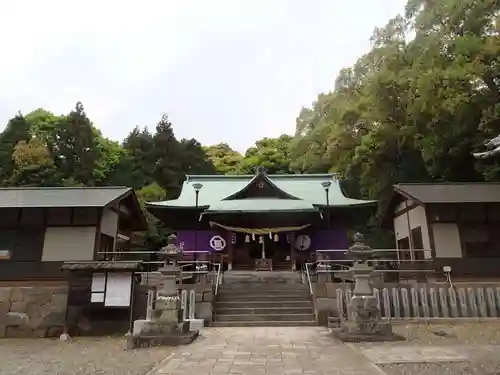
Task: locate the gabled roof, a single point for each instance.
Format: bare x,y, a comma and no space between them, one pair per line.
305,190
439,193
451,192
261,179
27,197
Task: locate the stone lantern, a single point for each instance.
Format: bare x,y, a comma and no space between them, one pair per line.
363,314
166,327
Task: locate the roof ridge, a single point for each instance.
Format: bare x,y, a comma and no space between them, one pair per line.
271,176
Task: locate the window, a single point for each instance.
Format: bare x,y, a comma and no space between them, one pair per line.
107,245
404,244
418,243
7,243
23,244
481,240
29,244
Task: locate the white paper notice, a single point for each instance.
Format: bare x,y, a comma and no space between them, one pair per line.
118,289
98,281
97,297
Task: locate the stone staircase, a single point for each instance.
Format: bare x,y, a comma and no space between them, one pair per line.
249,298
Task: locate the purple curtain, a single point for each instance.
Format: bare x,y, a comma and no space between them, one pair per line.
330,240
186,240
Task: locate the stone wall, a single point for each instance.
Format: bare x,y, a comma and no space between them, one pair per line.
32,311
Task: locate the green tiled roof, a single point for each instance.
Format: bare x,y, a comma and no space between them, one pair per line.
306,188
25,197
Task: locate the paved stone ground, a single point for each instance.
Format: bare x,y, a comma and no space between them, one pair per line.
267,351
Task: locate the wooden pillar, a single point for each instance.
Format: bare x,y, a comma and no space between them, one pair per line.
230,249
292,251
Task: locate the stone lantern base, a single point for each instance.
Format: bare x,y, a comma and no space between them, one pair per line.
364,323
149,333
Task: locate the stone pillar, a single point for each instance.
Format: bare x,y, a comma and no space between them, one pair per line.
167,306
322,269
202,273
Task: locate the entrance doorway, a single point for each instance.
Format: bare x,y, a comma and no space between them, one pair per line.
249,249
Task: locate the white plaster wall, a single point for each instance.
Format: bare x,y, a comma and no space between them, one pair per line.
109,223
447,240
416,218
68,243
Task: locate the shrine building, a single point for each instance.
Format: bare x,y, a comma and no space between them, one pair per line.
261,221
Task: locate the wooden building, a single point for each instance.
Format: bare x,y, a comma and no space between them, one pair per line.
41,227
457,223
263,221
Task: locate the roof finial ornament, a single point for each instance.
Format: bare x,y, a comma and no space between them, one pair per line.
260,170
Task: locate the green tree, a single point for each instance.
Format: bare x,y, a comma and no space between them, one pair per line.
271,153
194,159
33,165
137,164
156,235
224,159
168,158
75,147
17,130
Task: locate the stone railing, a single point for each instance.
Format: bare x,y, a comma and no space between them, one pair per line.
429,301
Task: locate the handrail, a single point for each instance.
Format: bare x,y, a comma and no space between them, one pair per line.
218,278
308,275
376,271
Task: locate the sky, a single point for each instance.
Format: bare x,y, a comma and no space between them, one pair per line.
231,71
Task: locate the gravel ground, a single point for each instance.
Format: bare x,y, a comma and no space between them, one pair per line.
82,356
487,333
472,335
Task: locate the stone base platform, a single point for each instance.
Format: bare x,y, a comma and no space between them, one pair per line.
172,339
376,332
148,333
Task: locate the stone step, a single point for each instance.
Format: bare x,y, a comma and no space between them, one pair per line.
272,287
262,317
264,297
270,292
279,323
263,304
262,277
263,310
280,284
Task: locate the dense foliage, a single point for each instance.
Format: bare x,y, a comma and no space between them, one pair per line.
413,108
